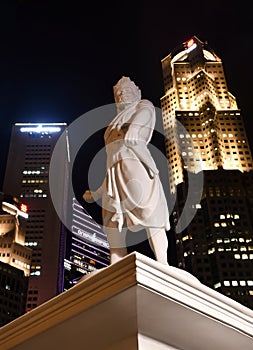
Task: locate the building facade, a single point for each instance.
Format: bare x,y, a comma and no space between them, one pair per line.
205,137
15,259
62,252
26,176
87,248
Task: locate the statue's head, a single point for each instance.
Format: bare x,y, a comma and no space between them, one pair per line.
125,91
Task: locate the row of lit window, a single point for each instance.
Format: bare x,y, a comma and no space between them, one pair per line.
34,181
234,283
234,239
33,172
31,244
222,224
27,195
229,249
243,256
237,283
35,273
21,263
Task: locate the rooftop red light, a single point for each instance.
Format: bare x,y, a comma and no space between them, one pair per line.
189,43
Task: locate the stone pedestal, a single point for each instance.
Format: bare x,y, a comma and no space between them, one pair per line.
136,303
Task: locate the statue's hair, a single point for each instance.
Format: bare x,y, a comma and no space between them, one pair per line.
126,81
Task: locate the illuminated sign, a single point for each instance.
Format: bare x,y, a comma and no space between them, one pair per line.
23,207
90,237
40,128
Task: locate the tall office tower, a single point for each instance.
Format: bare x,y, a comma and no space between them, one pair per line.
87,248
15,259
26,176
205,136
62,252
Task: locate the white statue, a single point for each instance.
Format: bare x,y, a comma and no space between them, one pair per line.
132,193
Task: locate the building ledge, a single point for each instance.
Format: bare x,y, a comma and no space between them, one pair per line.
136,303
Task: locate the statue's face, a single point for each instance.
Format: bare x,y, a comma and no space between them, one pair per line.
126,94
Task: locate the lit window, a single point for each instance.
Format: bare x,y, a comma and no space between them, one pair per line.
186,237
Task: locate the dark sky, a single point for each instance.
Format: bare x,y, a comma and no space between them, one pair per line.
60,59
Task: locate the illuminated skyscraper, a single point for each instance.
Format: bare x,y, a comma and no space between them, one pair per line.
205,135
87,247
26,176
61,253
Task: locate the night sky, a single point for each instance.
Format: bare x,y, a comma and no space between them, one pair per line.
60,59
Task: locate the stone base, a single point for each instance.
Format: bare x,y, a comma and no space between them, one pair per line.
136,303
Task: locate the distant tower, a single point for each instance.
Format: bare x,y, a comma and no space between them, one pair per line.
26,176
205,133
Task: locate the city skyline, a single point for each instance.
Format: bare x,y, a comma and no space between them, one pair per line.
206,90
59,62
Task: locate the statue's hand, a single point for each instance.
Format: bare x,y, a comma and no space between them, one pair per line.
87,196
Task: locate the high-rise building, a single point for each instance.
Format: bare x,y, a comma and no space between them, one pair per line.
209,155
15,259
62,252
26,176
87,248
